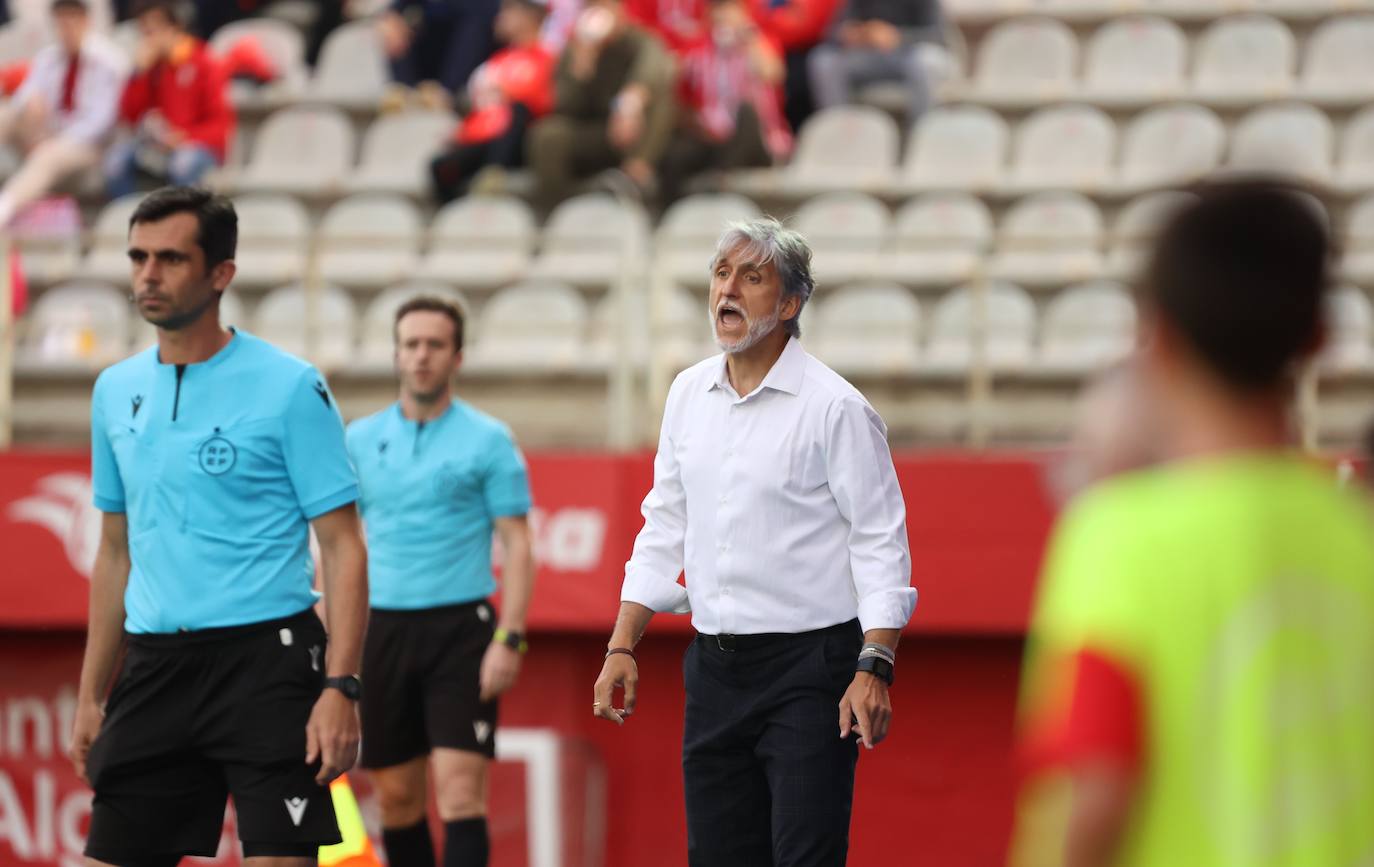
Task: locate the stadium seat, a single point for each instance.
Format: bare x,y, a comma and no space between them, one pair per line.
1355,163
871,328
938,239
1087,327
1339,60
1135,60
377,342
1026,61
1350,343
1288,138
532,327
846,147
1358,263
847,233
1066,147
369,241
352,71
282,43
1049,240
274,240
82,325
1136,227
1244,59
108,259
19,42
480,242
961,147
1008,327
305,151
674,321
1170,145
282,315
587,242
397,150
688,232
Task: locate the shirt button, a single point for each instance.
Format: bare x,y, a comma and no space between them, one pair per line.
725,498
725,592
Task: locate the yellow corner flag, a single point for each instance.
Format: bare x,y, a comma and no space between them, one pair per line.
355,850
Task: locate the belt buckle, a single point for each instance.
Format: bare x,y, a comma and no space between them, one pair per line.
726,643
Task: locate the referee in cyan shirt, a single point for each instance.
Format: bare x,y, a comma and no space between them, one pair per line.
213,453
437,476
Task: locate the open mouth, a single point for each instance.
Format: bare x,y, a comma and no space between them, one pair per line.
729,315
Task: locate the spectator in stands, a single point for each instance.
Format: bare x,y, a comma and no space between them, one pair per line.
176,106
434,45
36,14
506,94
731,114
877,41
681,24
65,108
798,26
613,104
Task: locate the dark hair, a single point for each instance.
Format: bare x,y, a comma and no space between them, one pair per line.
1240,273
432,304
219,223
176,12
74,5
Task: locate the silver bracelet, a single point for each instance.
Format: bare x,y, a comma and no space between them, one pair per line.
878,652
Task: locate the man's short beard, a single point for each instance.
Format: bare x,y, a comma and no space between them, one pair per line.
758,330
176,321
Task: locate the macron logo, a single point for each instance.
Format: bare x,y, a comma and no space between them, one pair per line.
296,807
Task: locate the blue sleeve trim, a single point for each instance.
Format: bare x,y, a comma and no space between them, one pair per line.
328,504
105,504
511,509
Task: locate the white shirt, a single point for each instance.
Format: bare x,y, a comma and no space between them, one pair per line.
99,86
782,505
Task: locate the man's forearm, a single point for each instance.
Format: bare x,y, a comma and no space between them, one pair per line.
630,624
105,629
517,581
345,601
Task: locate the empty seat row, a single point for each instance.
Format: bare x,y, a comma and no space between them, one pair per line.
1178,10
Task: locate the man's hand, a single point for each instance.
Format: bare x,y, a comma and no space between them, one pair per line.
883,36
620,670
626,126
500,668
866,709
395,33
331,735
89,716
146,55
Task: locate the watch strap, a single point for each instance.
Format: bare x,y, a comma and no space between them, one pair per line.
878,667
514,640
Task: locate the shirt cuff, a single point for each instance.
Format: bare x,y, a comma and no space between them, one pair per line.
105,504
328,504
887,609
656,594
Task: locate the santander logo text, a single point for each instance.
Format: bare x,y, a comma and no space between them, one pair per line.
62,505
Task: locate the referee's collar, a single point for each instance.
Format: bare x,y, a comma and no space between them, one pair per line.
400,417
215,360
786,374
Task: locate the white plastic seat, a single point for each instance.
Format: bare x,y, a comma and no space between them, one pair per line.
534,326
1293,139
1355,163
1135,59
1136,227
369,241
306,151
962,147
1358,261
352,71
108,259
77,325
1244,58
280,319
20,41
1025,61
274,237
871,328
397,150
1064,147
47,237
844,148
377,342
282,43
585,242
847,232
1008,328
480,242
1338,61
1049,239
1350,342
938,239
1170,145
689,230
1087,327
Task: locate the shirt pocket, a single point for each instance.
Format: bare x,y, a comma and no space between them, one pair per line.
236,484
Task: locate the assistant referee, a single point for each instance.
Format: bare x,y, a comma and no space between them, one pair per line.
213,453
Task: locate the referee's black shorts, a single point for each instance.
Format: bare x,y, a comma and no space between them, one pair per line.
197,716
421,683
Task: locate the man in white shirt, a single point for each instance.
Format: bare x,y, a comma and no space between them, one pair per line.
774,491
65,108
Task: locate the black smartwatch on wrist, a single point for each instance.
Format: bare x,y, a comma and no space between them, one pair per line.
878,667
348,684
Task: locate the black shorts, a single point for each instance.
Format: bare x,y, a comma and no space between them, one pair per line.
421,673
195,717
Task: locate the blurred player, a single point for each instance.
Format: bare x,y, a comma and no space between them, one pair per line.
437,475
210,454
1199,684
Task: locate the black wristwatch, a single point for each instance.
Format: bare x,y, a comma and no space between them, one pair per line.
878,667
348,684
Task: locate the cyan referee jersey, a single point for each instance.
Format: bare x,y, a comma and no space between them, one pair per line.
219,466
430,494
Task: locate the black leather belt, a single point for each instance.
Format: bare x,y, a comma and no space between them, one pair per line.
727,643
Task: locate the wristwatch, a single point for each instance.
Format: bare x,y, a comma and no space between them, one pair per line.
348,684
878,667
514,640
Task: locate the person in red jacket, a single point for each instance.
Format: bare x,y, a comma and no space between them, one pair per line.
176,106
798,26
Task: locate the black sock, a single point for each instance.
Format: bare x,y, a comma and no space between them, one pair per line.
465,843
409,847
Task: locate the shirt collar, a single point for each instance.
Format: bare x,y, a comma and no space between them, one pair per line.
785,375
399,417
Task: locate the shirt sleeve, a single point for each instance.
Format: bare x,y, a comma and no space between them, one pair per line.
864,484
506,483
651,574
106,482
314,449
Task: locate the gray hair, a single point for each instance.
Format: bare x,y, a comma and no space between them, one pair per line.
765,240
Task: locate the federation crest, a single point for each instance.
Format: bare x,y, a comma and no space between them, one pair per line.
217,456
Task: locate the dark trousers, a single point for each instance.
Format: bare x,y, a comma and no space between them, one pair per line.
562,151
768,780
447,48
688,153
452,170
